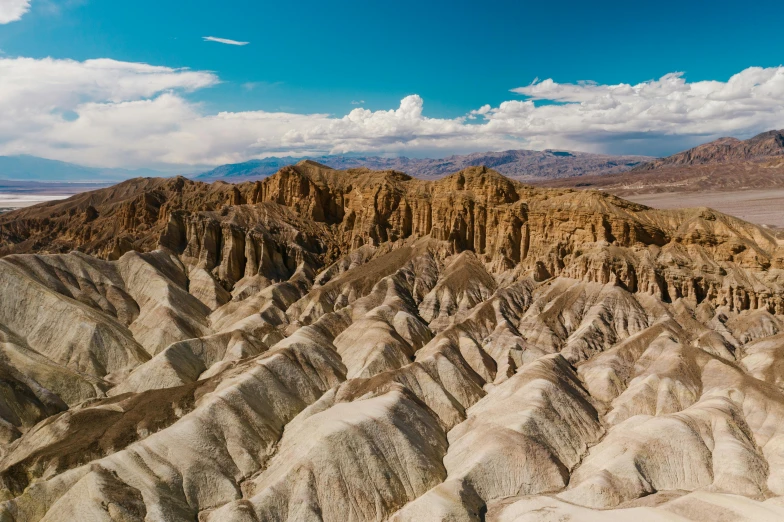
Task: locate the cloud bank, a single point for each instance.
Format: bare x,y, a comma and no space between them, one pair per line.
120,114
13,10
223,40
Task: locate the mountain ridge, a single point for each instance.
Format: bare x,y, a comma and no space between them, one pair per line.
763,146
520,164
740,177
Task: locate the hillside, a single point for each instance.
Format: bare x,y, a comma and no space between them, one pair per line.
724,150
736,176
365,345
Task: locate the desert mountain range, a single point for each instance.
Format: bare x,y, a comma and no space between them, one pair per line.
523,165
725,150
560,168
360,345
744,178
726,164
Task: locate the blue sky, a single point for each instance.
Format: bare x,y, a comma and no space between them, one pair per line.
328,58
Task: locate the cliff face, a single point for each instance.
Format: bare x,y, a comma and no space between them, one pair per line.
313,214
358,345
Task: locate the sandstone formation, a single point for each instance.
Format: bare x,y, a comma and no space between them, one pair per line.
358,345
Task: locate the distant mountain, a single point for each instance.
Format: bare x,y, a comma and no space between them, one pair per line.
253,168
724,150
724,165
525,165
31,168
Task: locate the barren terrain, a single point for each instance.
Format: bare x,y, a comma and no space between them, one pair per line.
740,178
763,207
358,345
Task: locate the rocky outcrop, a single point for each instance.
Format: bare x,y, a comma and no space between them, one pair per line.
312,214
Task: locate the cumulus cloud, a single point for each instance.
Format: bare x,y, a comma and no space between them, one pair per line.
28,83
110,113
671,106
13,10
223,40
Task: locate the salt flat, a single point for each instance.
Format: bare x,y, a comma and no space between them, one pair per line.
763,207
25,200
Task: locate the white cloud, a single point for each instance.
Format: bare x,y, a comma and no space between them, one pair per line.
13,10
26,83
110,113
357,102
659,109
252,86
223,40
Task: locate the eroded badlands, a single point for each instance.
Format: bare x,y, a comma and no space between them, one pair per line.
355,345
